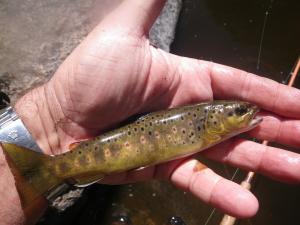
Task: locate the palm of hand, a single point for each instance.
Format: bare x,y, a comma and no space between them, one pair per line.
115,73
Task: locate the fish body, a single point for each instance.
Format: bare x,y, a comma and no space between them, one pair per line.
151,139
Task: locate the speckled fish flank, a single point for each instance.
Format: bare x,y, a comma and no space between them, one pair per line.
154,138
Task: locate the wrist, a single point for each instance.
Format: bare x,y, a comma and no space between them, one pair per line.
33,110
10,205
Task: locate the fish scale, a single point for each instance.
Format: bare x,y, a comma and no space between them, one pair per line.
151,139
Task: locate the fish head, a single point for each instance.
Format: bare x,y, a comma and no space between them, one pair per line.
233,116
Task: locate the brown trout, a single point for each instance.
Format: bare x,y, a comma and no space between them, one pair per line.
151,139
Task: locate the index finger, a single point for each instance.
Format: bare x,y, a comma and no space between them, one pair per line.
228,82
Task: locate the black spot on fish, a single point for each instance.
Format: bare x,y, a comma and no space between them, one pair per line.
129,133
138,122
215,122
195,115
230,114
182,118
142,129
214,111
135,129
79,152
241,110
150,133
189,113
95,148
211,117
165,122
150,124
183,131
199,128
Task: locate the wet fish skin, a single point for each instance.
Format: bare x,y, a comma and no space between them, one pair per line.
154,138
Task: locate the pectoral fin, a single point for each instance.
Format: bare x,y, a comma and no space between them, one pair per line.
84,181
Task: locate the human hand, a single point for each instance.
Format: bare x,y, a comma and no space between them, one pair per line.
115,73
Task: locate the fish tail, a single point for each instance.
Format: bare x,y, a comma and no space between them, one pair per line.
32,172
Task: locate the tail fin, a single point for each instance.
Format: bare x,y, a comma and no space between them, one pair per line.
32,172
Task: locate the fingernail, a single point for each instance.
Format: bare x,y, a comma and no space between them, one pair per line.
199,166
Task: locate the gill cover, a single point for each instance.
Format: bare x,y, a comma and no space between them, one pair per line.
31,172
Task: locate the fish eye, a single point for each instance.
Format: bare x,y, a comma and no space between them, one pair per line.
241,110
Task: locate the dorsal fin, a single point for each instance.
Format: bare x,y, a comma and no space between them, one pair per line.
73,145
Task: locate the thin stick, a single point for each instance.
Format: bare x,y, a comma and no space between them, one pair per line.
246,183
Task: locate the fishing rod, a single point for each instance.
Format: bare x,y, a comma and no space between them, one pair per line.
246,183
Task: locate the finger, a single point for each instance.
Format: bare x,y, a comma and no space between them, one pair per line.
274,162
228,82
213,189
135,16
278,129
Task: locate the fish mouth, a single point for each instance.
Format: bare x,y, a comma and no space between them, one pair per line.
255,120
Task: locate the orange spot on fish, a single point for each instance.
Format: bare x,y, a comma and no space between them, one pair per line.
143,139
107,153
127,145
169,137
174,129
